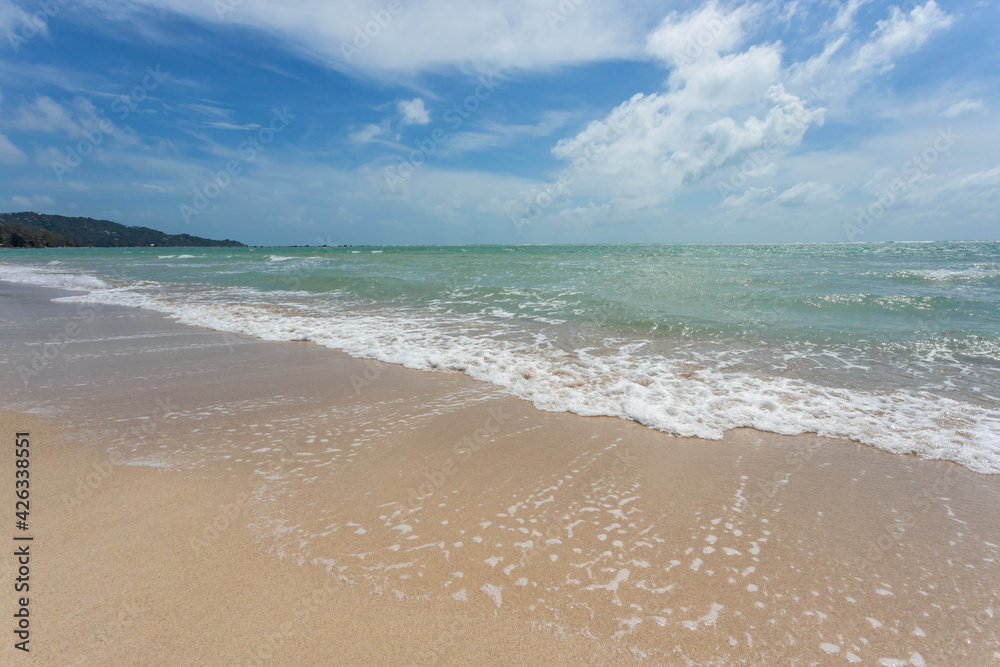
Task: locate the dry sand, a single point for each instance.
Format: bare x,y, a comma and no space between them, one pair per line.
199,498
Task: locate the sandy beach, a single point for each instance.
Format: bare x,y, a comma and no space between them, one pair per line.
204,498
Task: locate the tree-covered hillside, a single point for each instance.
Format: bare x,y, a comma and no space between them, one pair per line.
60,231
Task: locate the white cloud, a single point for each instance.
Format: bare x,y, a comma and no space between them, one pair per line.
989,178
495,135
809,192
728,81
898,35
45,115
963,186
33,203
367,134
845,65
14,20
78,120
751,194
719,109
730,101
380,133
961,107
844,21
705,32
220,118
413,112
9,153
360,35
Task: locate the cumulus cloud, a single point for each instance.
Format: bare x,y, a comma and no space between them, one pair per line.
367,134
699,34
730,100
413,112
719,108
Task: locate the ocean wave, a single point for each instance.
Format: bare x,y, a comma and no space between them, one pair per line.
946,275
50,278
868,301
679,396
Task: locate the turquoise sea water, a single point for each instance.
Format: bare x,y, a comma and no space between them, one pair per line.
893,344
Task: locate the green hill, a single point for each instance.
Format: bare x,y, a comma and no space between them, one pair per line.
35,230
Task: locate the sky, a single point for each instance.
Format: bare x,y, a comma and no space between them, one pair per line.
506,121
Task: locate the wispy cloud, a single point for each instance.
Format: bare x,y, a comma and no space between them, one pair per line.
958,108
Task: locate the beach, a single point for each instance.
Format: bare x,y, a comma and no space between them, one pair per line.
500,333
208,498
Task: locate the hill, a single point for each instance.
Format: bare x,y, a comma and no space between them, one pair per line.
35,230
17,235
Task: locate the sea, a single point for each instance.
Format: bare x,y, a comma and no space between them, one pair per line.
895,345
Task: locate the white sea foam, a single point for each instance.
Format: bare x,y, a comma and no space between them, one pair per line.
947,275
50,278
661,393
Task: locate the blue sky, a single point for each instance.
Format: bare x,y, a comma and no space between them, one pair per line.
507,121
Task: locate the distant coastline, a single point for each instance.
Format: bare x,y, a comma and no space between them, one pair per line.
34,230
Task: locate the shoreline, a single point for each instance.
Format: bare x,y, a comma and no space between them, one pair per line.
323,467
799,406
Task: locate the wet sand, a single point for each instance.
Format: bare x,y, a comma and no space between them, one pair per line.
210,499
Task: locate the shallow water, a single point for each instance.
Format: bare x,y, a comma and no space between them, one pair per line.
896,345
